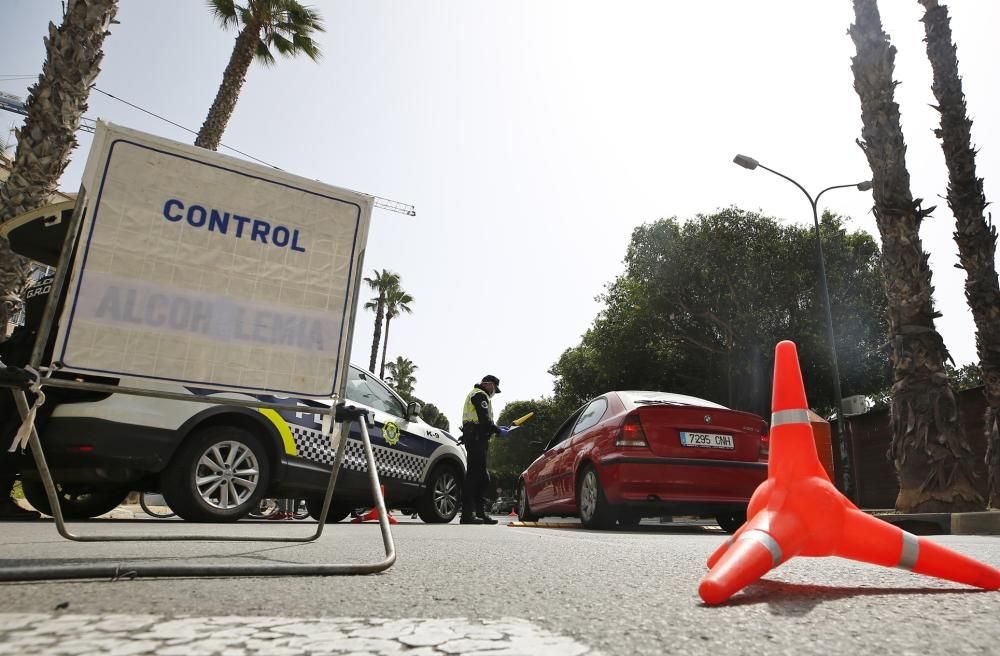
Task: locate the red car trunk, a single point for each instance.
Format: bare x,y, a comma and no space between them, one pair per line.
683,431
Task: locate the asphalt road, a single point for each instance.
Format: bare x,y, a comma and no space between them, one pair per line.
620,592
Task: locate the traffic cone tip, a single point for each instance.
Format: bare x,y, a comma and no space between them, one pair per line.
789,393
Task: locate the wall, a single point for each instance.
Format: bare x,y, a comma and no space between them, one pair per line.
870,435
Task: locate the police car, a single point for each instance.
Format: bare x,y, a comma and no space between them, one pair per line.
216,462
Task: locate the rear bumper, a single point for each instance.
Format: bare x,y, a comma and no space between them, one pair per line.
680,485
88,450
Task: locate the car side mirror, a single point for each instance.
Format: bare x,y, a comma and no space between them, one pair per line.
412,410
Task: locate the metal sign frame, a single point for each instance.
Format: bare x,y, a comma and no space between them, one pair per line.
342,415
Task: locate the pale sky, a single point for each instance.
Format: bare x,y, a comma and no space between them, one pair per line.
533,136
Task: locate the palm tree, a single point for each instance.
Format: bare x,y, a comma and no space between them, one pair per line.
382,283
396,302
287,26
932,457
73,54
975,238
401,376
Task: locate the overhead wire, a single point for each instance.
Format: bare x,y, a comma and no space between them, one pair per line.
154,114
383,203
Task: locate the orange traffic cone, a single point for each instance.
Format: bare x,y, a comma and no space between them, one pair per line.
372,515
798,512
513,512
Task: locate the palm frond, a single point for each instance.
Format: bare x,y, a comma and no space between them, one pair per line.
263,54
225,11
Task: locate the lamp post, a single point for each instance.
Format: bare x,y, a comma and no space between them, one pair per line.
843,449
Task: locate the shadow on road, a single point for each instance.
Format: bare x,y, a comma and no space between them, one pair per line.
797,599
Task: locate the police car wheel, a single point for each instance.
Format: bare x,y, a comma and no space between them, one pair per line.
76,500
439,504
219,474
337,512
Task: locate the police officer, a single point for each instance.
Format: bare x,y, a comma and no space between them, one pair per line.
16,352
477,429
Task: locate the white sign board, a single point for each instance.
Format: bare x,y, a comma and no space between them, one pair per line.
206,270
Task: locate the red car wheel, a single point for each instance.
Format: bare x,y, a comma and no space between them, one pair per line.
523,507
591,502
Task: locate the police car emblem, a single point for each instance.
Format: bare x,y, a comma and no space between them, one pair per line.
391,433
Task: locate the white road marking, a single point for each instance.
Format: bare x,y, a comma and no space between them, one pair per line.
26,634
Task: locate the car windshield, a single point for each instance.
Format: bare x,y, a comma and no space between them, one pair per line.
633,399
363,387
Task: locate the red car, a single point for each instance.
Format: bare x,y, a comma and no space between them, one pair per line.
628,455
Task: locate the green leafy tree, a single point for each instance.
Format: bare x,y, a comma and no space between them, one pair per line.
401,376
433,415
933,459
381,282
55,104
397,302
960,378
964,377
266,27
702,303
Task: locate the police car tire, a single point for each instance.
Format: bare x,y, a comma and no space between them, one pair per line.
178,486
77,501
427,510
338,511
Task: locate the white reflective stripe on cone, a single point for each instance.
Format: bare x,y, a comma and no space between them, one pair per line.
789,417
766,541
911,549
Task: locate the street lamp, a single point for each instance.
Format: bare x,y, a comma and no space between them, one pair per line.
843,449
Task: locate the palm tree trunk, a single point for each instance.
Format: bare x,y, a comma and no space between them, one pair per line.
975,238
385,344
210,135
932,457
73,54
379,314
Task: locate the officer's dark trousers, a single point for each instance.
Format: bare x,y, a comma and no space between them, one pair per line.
474,490
10,421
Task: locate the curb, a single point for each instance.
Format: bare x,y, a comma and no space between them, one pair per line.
967,523
976,523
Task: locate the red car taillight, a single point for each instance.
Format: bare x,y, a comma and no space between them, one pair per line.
631,433
765,445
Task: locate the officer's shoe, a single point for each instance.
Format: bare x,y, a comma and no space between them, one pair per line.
469,519
486,519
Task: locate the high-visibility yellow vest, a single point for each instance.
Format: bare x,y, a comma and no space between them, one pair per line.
469,414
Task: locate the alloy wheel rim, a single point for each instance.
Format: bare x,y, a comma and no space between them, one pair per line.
588,495
446,495
227,475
